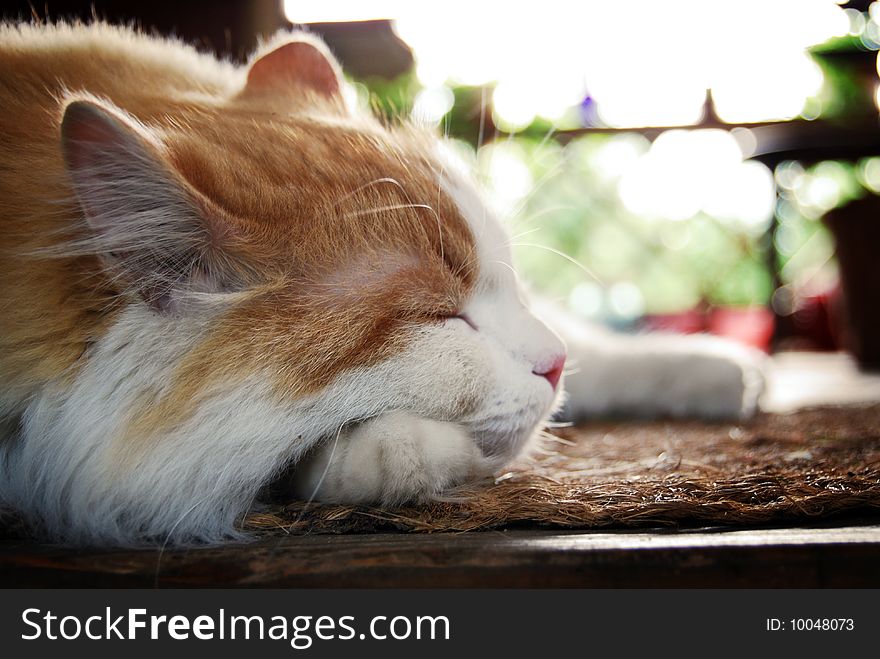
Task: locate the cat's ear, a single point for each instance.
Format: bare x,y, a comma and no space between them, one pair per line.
302,64
147,225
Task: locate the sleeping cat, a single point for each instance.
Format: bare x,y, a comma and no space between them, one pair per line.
211,273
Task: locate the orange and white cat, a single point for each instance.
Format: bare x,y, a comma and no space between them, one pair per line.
211,273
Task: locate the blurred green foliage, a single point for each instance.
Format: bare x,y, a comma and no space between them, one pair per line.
571,205
576,209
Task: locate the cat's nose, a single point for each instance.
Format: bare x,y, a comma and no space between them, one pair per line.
551,370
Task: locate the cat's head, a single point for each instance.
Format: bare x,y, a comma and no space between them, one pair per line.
348,266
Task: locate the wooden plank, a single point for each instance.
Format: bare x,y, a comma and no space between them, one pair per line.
826,557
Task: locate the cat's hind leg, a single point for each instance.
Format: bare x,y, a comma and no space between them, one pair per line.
655,374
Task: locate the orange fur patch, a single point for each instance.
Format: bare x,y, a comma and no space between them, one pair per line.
341,230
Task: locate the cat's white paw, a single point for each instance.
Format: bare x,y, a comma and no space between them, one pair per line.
723,384
660,375
394,458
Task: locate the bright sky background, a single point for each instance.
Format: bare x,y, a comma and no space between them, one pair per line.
645,62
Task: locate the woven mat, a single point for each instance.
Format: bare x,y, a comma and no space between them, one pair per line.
775,469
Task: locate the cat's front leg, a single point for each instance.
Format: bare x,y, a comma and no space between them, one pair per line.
394,458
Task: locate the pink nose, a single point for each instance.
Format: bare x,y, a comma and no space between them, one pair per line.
552,370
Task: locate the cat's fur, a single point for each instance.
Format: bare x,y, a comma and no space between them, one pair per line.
213,272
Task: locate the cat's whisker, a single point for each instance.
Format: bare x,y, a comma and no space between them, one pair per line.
394,207
473,257
480,139
529,219
536,187
388,208
525,233
439,193
557,440
563,255
171,533
482,129
559,424
323,476
508,266
384,179
550,133
540,450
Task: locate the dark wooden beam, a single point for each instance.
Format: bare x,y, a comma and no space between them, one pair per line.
823,557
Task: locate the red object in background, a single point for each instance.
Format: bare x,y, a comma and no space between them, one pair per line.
752,326
692,321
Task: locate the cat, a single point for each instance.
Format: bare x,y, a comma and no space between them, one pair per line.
212,273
